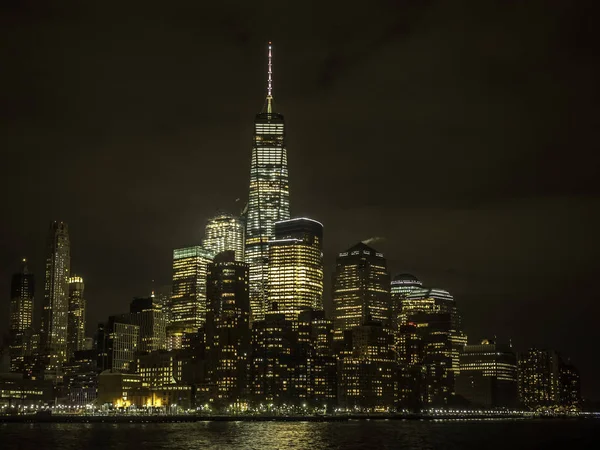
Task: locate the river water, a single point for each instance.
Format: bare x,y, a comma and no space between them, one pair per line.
484,434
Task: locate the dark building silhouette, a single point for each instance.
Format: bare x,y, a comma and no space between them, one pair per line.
228,329
488,375
20,326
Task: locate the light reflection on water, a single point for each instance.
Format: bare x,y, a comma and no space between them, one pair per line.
391,434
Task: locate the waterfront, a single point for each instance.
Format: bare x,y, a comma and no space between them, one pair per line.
489,434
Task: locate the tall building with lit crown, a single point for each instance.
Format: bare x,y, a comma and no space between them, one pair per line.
188,299
225,232
295,271
228,329
55,313
76,325
269,196
22,290
361,289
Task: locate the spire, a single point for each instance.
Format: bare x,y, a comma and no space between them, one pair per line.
270,80
24,268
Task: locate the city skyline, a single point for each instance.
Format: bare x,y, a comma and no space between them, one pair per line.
451,234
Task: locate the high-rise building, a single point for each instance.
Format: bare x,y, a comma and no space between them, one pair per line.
542,376
117,345
228,329
273,363
361,289
76,323
402,285
162,296
188,299
316,369
22,290
269,196
147,314
55,313
366,369
295,272
488,375
225,232
439,306
569,386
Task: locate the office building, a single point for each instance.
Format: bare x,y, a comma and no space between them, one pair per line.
117,345
55,312
361,289
401,285
148,315
228,330
488,375
22,290
273,363
225,232
546,381
76,322
188,299
367,369
269,195
295,271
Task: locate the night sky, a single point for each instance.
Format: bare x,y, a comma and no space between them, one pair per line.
463,134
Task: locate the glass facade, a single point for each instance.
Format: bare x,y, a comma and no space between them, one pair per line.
54,324
295,271
268,200
188,299
225,232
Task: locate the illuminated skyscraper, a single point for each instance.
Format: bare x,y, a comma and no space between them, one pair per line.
188,300
76,325
269,196
147,313
295,272
22,291
55,313
228,328
361,289
225,232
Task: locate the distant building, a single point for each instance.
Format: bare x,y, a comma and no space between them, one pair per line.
55,312
117,345
402,285
273,363
81,377
20,329
545,381
269,196
76,321
228,329
148,315
488,375
316,367
188,300
225,232
437,302
361,289
118,389
295,271
367,369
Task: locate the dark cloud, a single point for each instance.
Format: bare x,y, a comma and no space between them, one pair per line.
463,132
